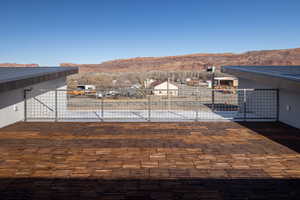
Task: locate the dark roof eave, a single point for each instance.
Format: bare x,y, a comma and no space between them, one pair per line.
25,82
263,78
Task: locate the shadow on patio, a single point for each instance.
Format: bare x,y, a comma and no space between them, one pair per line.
277,132
41,188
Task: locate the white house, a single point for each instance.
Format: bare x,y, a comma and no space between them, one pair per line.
41,81
148,82
165,88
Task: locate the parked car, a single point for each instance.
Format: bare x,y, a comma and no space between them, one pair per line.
99,95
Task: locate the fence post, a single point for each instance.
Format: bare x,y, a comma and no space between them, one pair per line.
102,108
56,111
197,108
149,108
277,104
213,91
25,105
245,104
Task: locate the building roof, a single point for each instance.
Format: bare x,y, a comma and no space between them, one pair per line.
285,72
225,78
18,77
277,76
156,83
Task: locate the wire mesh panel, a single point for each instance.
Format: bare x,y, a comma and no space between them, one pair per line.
78,106
40,105
127,105
193,104
162,105
219,104
261,104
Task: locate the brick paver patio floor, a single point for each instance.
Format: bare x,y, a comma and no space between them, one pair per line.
207,160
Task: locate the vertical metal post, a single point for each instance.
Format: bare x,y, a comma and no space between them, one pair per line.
213,91
277,104
25,105
197,112
149,108
168,87
102,108
168,93
56,111
245,104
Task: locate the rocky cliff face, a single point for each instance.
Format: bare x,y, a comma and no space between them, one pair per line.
193,61
17,65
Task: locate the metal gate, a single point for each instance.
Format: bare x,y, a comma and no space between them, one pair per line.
125,105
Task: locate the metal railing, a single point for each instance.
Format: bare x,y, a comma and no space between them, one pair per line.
195,104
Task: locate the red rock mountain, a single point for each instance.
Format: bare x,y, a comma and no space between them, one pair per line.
194,61
17,65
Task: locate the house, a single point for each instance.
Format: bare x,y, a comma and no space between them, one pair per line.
15,81
165,88
285,79
224,81
193,82
148,82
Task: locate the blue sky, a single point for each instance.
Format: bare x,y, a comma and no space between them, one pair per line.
49,32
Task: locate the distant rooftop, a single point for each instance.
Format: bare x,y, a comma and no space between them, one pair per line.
283,72
18,77
225,78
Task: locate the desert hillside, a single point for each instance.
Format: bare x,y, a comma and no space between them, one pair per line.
193,61
17,65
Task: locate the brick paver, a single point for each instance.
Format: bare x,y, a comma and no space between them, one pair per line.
210,160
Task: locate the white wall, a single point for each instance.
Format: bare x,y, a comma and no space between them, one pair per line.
292,100
162,88
12,102
289,101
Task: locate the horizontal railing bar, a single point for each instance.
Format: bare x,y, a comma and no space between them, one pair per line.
256,118
195,90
